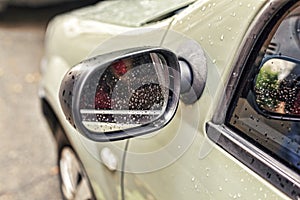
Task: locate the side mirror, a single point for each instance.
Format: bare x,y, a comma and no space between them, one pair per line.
122,94
277,88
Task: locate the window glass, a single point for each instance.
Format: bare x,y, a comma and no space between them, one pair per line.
267,108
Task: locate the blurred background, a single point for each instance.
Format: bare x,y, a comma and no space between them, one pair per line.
28,168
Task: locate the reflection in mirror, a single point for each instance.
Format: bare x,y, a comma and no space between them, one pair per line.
277,87
127,93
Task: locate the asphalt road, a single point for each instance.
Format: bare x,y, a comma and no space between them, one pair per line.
28,167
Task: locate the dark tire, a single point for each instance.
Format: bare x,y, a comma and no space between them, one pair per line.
74,182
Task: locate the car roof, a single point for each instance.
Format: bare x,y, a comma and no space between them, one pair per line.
133,13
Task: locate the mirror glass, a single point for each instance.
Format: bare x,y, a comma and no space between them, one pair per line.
277,87
127,93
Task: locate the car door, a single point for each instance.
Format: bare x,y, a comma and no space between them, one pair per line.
261,127
264,112
233,150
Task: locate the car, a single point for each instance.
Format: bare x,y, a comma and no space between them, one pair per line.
175,99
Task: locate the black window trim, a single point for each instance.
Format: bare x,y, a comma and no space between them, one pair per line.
256,159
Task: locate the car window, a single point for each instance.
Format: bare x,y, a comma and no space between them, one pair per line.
267,111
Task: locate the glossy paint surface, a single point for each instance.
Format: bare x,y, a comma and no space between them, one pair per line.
179,161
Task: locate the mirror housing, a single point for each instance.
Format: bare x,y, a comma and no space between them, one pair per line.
277,88
122,94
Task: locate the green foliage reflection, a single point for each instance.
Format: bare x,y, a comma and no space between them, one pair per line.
267,88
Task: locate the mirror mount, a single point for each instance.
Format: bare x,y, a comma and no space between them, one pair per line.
193,66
